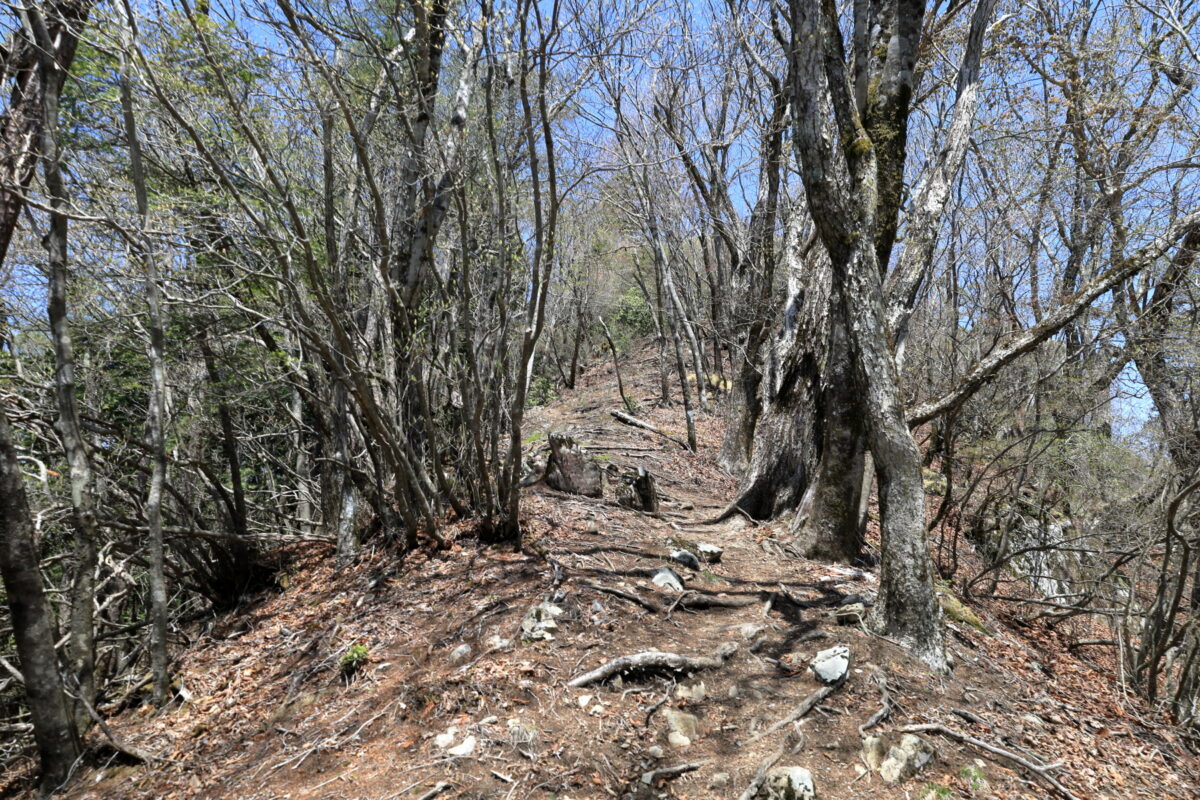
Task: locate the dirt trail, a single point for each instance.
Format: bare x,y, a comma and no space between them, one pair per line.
453,695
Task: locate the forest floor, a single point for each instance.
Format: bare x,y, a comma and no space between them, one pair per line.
269,713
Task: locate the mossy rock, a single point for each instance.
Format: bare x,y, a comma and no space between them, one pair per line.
956,610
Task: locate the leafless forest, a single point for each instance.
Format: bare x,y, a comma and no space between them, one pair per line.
920,277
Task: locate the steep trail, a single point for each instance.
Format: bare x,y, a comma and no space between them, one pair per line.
454,700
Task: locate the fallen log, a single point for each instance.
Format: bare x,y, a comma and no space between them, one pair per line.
632,421
656,660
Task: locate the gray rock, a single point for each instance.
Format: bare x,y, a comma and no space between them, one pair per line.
830,666
681,722
460,654
694,691
906,759
710,553
752,631
874,751
667,580
788,783
539,621
687,559
719,780
498,642
655,752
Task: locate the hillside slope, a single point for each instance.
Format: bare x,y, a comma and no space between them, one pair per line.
454,700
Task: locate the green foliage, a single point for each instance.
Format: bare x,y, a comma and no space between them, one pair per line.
932,791
973,776
355,657
631,317
541,392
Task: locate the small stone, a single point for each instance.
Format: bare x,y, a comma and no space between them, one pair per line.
593,526
686,558
460,654
710,553
465,749
583,700
906,758
719,780
667,580
539,621
850,614
498,642
678,740
788,783
655,752
694,692
752,631
830,666
489,720
681,722
446,739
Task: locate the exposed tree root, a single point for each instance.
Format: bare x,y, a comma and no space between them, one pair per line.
790,742
809,703
1042,771
655,660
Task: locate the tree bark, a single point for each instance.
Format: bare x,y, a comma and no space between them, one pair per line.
81,646
53,729
160,680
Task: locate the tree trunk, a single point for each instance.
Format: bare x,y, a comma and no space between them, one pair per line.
81,647
53,728
158,393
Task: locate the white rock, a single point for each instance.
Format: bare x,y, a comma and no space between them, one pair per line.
583,700
830,666
465,749
667,580
461,653
788,783
694,691
710,553
678,739
655,752
446,739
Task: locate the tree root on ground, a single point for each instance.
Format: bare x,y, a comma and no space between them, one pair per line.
655,660
1042,771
